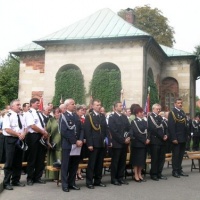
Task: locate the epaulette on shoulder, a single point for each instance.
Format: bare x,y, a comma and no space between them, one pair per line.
9,114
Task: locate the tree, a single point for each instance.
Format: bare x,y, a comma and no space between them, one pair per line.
153,22
9,81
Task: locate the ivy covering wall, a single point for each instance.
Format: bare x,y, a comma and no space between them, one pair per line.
69,84
106,85
153,91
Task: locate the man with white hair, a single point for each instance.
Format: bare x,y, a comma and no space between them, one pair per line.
72,139
158,139
62,107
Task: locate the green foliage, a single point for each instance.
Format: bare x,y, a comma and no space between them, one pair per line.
197,109
106,85
153,22
9,81
153,92
69,84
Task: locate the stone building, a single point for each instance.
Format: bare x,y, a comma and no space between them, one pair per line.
101,38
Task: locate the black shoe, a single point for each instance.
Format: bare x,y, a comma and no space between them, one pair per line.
90,186
74,187
18,184
65,189
40,181
8,187
143,180
100,185
123,182
154,178
30,182
138,181
162,177
115,183
176,175
183,174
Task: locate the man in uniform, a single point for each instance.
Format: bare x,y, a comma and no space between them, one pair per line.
14,129
95,132
36,131
158,139
72,138
196,132
119,127
178,135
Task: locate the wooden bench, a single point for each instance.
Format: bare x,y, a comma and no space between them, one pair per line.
194,155
24,164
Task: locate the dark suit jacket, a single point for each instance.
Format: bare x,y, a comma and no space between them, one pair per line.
195,128
118,125
138,139
95,138
69,137
156,134
177,129
46,118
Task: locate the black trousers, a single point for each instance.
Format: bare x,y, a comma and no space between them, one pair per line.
157,159
178,151
36,156
69,168
118,163
2,148
95,166
196,140
13,164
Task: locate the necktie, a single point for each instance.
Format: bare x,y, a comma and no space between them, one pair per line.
19,122
41,122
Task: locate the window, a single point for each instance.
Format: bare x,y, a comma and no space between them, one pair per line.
169,100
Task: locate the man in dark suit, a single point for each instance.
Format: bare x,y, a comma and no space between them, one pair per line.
72,138
119,127
157,145
195,128
178,135
46,114
95,132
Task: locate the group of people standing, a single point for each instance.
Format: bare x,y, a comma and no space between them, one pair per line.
73,131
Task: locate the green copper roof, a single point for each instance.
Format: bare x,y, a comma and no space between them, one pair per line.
102,24
29,47
174,52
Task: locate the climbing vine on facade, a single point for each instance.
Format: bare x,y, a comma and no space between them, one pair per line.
106,85
69,84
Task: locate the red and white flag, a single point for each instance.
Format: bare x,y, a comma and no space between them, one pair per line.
41,104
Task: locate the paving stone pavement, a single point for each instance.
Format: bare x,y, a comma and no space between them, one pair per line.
183,188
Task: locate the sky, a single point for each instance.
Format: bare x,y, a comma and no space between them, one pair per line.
23,21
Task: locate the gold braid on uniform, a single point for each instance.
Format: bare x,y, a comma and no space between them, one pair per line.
93,126
178,120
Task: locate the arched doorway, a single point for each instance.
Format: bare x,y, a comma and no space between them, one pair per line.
69,84
106,84
169,92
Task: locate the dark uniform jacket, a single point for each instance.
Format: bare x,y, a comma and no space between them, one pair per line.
195,128
119,127
70,135
177,125
139,133
95,130
189,127
156,133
